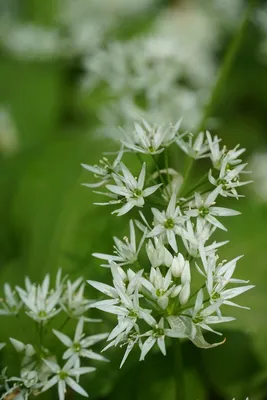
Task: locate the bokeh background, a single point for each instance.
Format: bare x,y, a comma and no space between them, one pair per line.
71,72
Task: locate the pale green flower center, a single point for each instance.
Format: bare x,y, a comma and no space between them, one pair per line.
137,192
158,332
203,211
169,223
63,375
42,314
76,347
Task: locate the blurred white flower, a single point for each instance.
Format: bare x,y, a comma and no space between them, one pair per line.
259,175
9,141
11,304
41,304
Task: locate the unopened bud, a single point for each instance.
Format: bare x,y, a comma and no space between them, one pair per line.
18,346
122,274
167,258
163,302
186,273
177,265
185,294
176,291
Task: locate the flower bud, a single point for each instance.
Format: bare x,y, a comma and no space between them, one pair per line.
163,302
18,346
168,258
176,291
29,350
185,293
177,265
122,274
186,273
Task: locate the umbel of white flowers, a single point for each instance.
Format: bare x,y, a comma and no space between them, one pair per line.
153,299
39,369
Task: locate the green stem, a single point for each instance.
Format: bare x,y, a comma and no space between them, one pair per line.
201,182
178,370
222,76
166,160
64,323
158,170
41,333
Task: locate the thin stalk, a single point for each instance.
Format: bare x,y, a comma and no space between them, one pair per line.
222,76
158,170
178,370
166,160
64,323
41,333
201,182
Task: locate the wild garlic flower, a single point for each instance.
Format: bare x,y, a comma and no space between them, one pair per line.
41,304
204,209
129,190
73,302
168,224
149,139
11,304
104,171
158,254
64,376
78,346
196,147
39,369
152,294
126,251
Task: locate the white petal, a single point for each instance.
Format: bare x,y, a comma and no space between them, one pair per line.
147,346
63,338
76,387
50,383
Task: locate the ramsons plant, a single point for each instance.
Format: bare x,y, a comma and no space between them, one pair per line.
178,288
39,368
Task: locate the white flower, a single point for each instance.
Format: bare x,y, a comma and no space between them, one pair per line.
130,189
229,179
126,252
124,302
78,346
104,171
73,301
178,265
206,211
64,376
196,237
149,139
219,156
196,149
158,254
11,303
157,335
216,154
220,276
168,223
41,305
160,287
203,316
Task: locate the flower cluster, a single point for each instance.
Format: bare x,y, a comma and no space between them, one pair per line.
39,368
173,282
